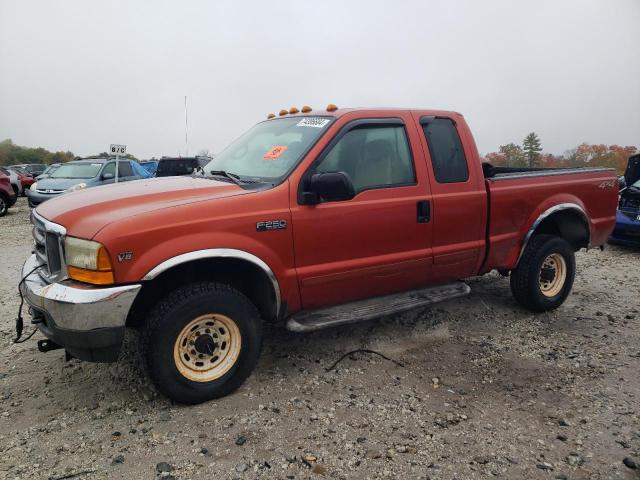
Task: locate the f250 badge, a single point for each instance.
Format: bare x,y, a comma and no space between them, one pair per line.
271,225
125,256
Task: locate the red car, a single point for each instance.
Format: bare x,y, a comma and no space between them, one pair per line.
312,219
26,178
7,194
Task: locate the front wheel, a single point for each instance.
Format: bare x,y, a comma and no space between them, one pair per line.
544,276
4,205
202,342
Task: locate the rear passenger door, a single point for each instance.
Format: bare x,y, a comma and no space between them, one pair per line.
459,199
377,242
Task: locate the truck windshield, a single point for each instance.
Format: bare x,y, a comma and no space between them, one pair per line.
77,170
270,149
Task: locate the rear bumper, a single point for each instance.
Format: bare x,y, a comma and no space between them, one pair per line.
12,197
87,321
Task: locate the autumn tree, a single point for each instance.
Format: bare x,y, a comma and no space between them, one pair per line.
514,155
532,147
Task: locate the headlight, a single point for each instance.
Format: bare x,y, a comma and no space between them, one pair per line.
77,186
88,261
33,186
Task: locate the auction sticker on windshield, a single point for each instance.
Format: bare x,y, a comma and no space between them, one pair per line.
275,152
313,122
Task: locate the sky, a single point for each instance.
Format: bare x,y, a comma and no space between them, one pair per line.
80,74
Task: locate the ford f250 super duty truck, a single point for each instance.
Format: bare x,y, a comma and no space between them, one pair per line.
311,218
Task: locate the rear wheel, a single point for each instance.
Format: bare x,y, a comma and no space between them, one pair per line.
202,342
544,276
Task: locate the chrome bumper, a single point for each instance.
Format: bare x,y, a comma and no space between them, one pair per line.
76,306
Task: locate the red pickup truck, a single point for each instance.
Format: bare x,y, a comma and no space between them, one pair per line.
311,218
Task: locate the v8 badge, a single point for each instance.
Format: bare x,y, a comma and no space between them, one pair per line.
125,256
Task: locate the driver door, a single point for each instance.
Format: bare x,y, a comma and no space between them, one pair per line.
376,243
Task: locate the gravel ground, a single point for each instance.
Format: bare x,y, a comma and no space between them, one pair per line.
484,389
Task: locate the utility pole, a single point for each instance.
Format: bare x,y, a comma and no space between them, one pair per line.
186,128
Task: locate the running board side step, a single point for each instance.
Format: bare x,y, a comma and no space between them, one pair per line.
308,321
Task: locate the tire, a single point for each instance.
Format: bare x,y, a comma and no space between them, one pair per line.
15,190
4,204
172,345
544,277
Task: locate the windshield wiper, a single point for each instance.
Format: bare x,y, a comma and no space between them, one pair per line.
231,176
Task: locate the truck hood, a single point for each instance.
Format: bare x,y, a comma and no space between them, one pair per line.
84,213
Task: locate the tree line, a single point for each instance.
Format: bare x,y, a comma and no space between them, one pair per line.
530,154
12,154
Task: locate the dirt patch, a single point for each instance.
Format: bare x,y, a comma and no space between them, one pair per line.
486,389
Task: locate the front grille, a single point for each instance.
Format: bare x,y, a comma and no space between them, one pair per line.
48,240
50,191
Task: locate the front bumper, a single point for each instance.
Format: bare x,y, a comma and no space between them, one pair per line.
627,229
36,198
87,321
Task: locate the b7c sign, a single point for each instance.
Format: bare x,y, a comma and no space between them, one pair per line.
117,149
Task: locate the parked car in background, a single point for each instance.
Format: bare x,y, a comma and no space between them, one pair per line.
34,169
7,195
48,171
80,174
150,166
16,184
627,229
26,178
176,166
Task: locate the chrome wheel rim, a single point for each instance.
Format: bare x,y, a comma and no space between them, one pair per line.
207,347
553,274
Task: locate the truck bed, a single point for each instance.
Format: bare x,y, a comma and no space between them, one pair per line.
518,197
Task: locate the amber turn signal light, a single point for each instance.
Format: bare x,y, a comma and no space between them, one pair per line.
90,276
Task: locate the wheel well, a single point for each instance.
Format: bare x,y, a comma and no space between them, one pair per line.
242,275
568,224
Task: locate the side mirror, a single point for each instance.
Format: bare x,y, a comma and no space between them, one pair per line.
329,186
108,176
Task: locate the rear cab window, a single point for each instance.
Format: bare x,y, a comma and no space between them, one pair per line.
445,149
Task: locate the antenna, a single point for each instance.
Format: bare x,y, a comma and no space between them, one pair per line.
186,127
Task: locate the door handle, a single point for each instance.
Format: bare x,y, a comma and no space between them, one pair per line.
424,211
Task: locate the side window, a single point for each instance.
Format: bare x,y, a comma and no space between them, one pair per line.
373,156
445,149
124,169
109,168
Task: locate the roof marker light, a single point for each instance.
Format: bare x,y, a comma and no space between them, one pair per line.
331,107
293,110
270,116
283,112
306,109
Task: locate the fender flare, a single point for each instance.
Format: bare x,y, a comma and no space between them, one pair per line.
550,211
218,253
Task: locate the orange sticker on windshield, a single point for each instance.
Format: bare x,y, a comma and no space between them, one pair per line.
275,152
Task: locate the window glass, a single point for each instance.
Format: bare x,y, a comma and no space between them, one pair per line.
372,156
270,149
124,169
445,149
77,170
110,168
